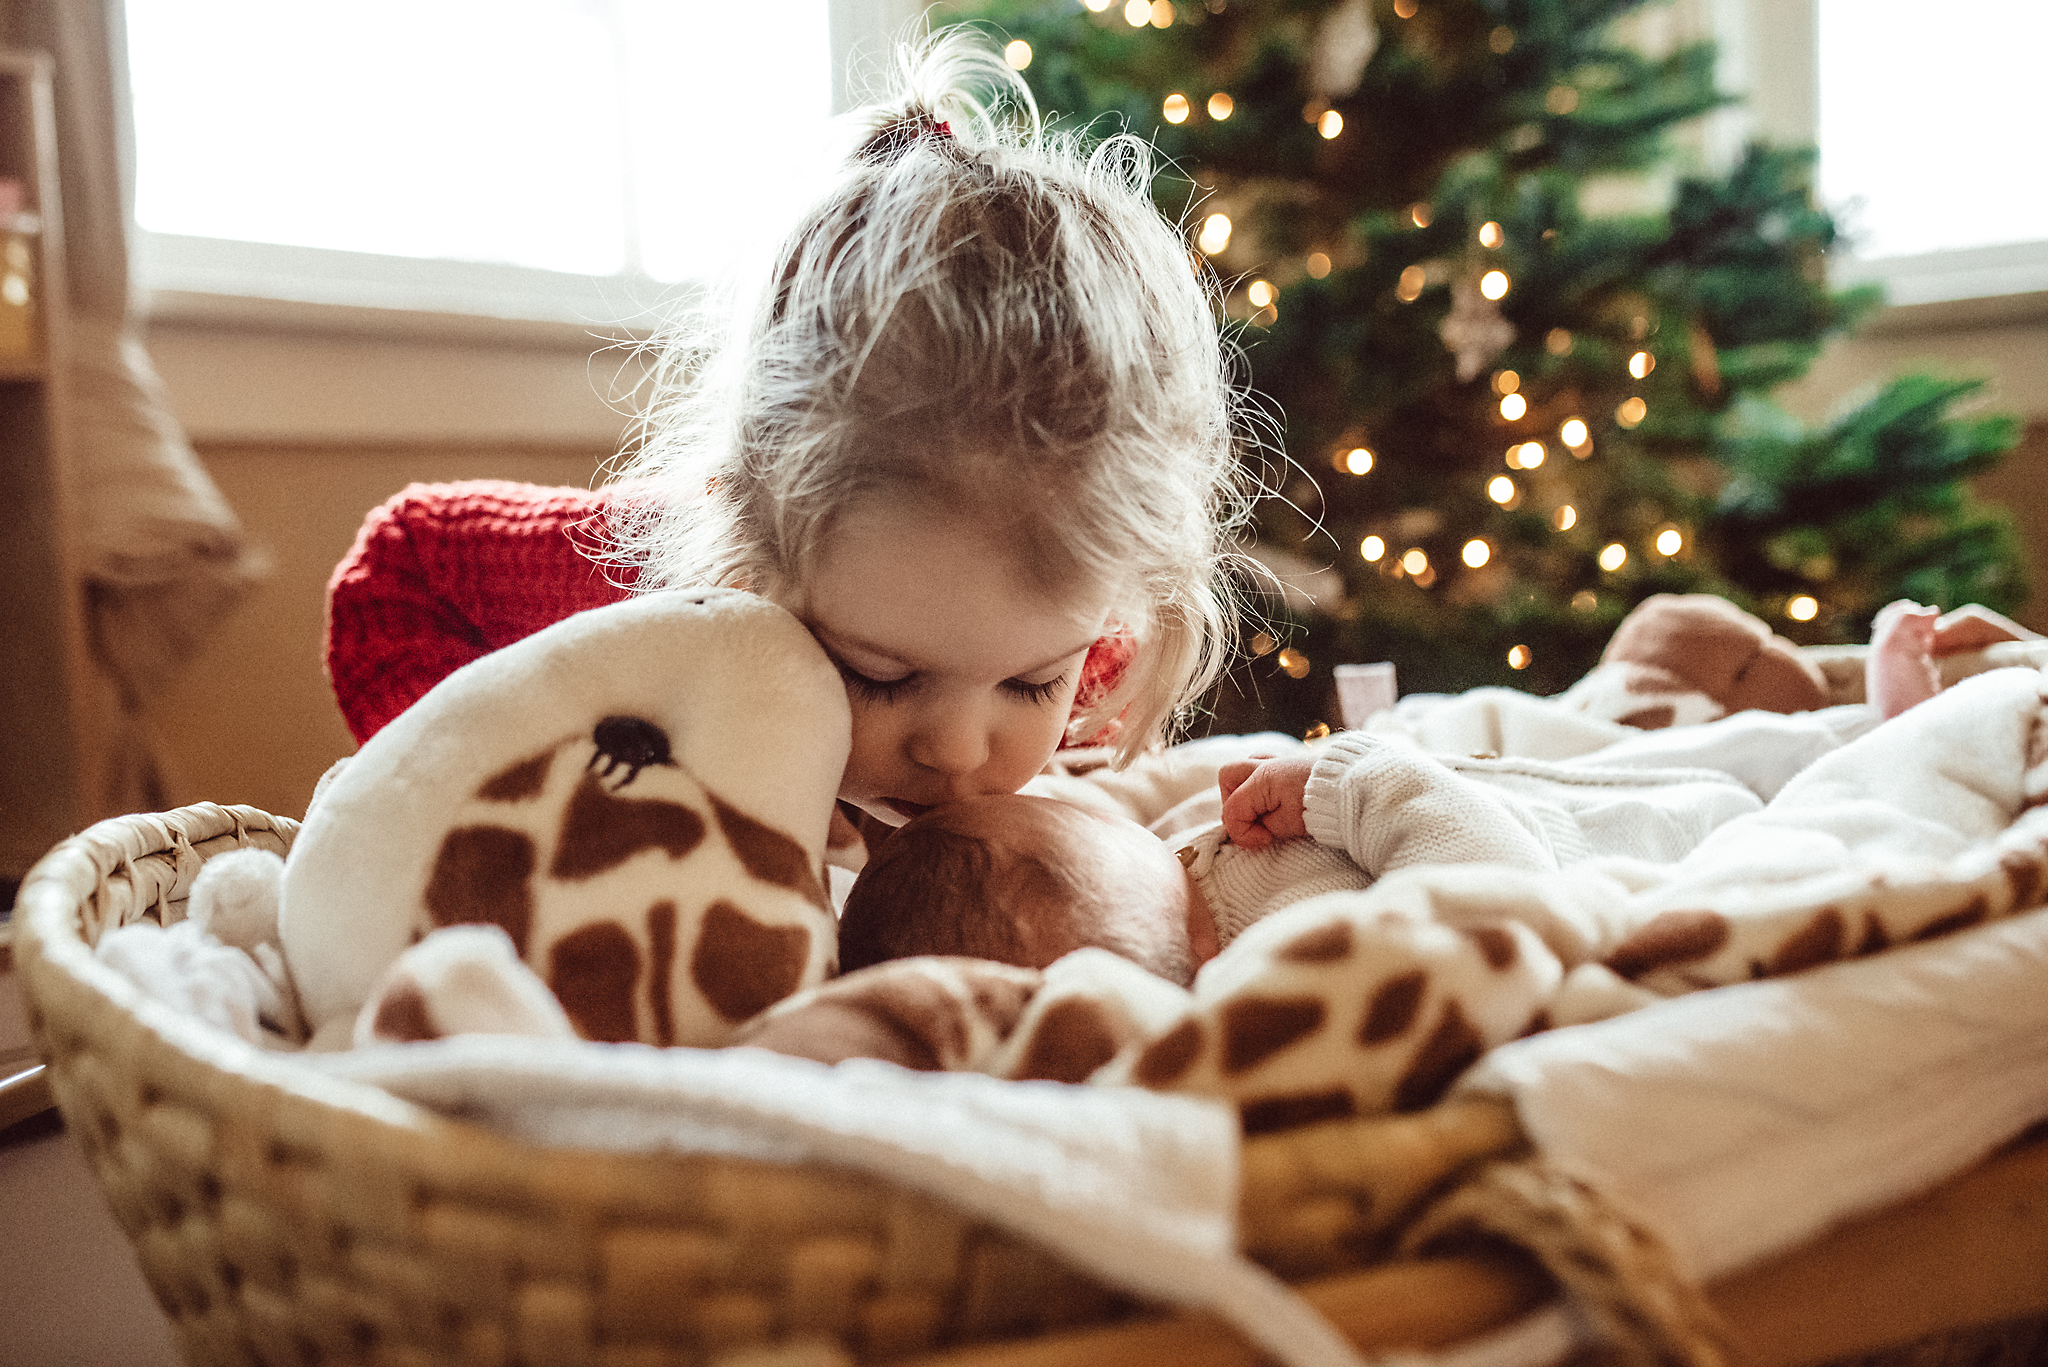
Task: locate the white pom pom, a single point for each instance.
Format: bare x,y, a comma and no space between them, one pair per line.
235,897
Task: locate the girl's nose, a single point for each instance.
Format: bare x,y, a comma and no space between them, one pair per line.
952,743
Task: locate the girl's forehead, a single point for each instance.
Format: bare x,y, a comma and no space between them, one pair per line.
930,590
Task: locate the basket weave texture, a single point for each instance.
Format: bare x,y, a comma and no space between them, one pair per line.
283,1216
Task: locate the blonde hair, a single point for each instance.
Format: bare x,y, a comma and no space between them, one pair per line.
988,314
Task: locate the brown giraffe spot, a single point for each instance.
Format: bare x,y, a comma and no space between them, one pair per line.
767,853
1323,945
518,783
1451,1048
661,955
1271,1113
1965,916
1167,1059
402,1014
1651,718
1670,937
2023,876
593,970
1001,993
1256,1028
917,1017
480,878
600,831
1393,1006
1874,940
1498,947
1819,941
1073,1039
742,966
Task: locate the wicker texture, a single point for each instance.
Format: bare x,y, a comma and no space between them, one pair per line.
284,1217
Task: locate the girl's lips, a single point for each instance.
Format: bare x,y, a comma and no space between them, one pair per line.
906,808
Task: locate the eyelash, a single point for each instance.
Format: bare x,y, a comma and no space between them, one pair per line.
886,691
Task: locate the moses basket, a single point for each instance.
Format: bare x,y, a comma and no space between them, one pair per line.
284,1216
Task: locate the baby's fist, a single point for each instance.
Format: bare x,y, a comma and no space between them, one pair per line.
1266,802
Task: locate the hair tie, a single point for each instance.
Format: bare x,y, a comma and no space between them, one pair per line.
892,141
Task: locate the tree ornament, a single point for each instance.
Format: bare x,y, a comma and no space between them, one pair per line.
1343,45
1474,330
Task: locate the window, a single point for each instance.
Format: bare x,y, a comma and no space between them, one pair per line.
562,159
1929,128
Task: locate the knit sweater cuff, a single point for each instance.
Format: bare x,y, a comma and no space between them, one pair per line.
1323,802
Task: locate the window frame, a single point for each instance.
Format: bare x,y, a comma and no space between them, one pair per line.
224,281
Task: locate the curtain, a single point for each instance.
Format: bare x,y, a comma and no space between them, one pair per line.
163,555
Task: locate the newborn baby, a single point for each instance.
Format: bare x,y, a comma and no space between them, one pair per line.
1026,880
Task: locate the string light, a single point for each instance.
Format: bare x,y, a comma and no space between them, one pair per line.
1330,124
1410,287
1176,108
1803,608
1560,100
1137,13
1215,234
1613,556
1098,6
1318,731
1631,412
1162,13
1490,234
1262,644
1317,265
1641,364
1565,518
1294,663
1476,553
1405,9
1585,600
1506,381
1415,561
1017,53
1558,341
1572,432
1531,454
1494,284
1356,461
1261,293
1513,406
1519,657
1501,490
1670,541
1419,214
1372,550
1221,106
1501,40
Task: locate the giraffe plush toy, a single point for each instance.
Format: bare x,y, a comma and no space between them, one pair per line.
638,796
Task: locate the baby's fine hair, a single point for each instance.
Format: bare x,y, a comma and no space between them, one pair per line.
933,889
990,316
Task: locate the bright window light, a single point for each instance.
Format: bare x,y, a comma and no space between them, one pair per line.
502,131
1928,123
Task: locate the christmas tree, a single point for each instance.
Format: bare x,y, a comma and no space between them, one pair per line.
1508,418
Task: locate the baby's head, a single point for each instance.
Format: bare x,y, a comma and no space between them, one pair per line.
984,325
1024,880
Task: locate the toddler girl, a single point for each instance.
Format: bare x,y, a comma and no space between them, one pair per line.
977,434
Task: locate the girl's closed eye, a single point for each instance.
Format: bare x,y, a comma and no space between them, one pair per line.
874,690
1036,692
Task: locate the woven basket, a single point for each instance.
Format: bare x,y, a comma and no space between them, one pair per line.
284,1216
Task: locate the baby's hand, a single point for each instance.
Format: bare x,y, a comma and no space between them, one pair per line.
1265,801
